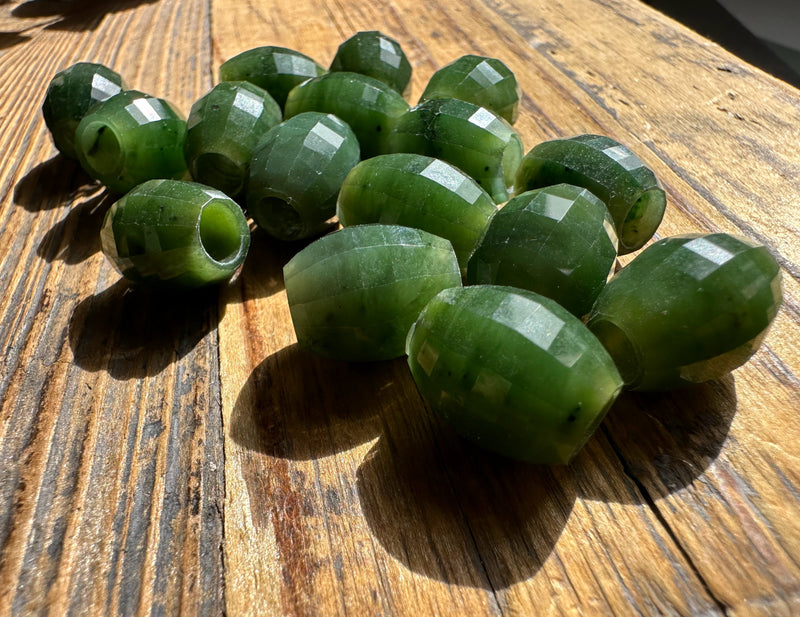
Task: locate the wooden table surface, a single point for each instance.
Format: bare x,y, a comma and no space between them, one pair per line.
165,454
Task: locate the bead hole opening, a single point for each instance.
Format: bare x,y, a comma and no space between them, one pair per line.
220,232
643,219
102,148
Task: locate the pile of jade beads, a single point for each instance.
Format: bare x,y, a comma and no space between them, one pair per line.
490,268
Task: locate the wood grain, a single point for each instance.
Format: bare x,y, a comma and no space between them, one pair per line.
164,454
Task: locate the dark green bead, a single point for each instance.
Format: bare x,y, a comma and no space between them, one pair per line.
687,309
130,138
181,234
224,128
71,94
377,55
512,371
353,294
296,173
369,106
558,241
421,192
474,139
275,69
608,169
484,81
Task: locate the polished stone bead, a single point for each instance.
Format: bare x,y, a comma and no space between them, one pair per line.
558,241
223,129
71,94
687,309
376,55
484,81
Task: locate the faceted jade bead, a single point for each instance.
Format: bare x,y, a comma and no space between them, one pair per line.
71,94
369,106
377,55
474,139
688,309
296,172
275,69
130,138
353,294
484,81
512,371
180,234
608,169
421,192
558,241
223,129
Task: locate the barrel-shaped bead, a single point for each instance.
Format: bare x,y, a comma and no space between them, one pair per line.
353,294
130,138
175,233
687,309
512,371
377,55
558,241
630,189
473,138
487,82
421,192
369,106
296,173
71,94
223,129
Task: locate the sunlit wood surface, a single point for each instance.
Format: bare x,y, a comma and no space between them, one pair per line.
164,454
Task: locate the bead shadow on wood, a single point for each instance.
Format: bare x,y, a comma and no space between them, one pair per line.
45,186
299,406
76,237
455,513
138,332
76,16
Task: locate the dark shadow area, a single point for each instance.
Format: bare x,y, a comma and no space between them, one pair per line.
666,440
137,332
76,237
449,511
713,21
299,406
45,186
75,15
12,39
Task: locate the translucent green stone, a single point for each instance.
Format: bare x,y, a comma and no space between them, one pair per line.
296,173
130,138
71,94
275,69
223,129
181,234
512,371
474,139
484,81
369,106
353,294
608,169
558,241
687,309
376,55
421,192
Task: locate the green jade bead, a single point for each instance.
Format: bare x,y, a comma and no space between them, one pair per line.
71,94
484,81
223,129
474,139
353,294
296,173
687,309
275,69
558,241
175,233
630,190
421,192
369,106
376,55
512,371
130,138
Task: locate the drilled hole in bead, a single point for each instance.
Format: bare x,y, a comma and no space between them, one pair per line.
220,232
219,171
101,147
643,219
